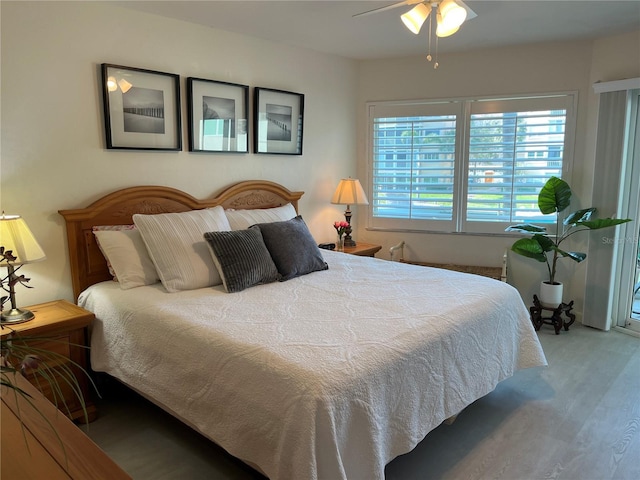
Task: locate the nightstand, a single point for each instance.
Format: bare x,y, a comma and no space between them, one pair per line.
60,327
363,249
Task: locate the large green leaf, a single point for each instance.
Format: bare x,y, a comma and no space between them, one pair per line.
528,247
526,228
555,196
579,216
575,256
603,223
546,244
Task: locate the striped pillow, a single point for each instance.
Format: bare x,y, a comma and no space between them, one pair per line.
177,247
241,258
241,219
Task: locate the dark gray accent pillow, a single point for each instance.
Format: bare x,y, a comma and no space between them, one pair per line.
242,259
292,248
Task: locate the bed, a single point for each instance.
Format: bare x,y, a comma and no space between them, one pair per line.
327,375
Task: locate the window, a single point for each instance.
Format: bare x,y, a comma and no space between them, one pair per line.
465,165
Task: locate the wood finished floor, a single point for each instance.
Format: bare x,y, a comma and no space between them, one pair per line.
577,419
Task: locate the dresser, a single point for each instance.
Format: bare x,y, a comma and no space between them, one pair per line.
42,443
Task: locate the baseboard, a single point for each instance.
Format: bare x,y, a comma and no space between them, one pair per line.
627,331
491,272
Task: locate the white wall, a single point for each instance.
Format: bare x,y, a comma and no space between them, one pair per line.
515,70
53,154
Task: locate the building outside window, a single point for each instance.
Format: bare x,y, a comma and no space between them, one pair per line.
470,165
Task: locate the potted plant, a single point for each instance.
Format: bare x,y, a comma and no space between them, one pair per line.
554,198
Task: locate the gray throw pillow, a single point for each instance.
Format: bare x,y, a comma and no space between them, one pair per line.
242,259
292,248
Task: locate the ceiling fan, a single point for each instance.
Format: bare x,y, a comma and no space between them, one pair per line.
449,15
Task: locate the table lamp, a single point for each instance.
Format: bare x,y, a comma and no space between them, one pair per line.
18,246
349,192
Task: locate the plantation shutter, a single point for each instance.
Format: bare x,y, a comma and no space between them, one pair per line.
473,165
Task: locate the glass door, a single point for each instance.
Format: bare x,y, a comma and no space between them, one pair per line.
627,278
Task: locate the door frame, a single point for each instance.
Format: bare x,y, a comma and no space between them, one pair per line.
626,248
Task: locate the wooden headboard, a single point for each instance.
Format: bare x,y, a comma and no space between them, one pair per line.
88,265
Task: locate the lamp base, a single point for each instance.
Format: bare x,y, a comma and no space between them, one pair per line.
16,315
348,241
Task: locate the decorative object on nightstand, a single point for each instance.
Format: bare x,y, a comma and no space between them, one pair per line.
18,246
341,228
349,192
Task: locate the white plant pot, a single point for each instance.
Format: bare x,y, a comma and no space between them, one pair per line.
550,295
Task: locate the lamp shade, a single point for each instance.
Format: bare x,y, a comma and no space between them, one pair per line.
415,17
124,85
16,236
349,192
450,17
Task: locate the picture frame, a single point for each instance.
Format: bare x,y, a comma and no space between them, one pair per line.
218,116
278,121
141,108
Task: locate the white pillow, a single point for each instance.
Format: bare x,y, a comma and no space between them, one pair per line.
126,253
241,219
97,228
177,247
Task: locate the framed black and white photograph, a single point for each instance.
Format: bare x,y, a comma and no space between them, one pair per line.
278,121
141,108
218,116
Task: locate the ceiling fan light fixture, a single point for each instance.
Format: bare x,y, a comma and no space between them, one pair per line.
444,30
112,86
450,17
415,18
125,86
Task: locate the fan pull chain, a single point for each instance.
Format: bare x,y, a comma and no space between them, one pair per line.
430,23
436,64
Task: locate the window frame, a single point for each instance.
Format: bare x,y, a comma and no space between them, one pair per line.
464,108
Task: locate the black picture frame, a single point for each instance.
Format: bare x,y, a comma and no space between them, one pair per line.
141,108
278,121
218,116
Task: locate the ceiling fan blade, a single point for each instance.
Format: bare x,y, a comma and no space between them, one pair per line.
389,7
470,13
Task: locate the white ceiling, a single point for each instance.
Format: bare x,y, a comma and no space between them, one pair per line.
329,26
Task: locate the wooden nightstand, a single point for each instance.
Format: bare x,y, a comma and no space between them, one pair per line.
60,327
363,249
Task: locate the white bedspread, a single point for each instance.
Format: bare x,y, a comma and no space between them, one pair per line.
327,376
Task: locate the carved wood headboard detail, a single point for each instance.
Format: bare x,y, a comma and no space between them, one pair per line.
88,266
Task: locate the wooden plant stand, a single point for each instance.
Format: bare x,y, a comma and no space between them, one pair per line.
556,317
